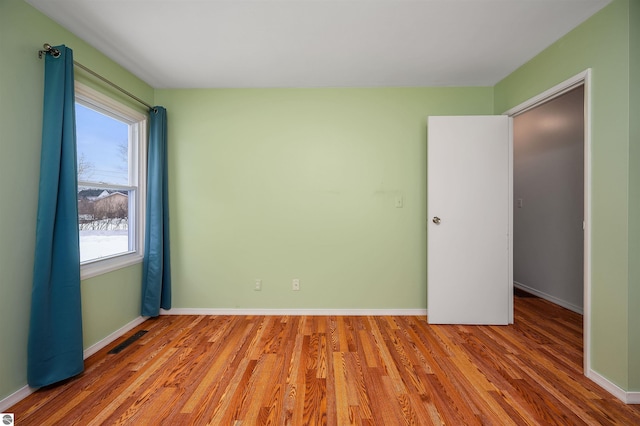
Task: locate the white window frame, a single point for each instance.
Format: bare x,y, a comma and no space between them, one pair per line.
137,121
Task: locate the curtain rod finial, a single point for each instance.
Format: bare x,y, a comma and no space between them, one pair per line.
47,48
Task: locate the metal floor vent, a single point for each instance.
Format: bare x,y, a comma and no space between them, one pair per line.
127,342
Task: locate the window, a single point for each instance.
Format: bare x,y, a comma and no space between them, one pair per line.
111,142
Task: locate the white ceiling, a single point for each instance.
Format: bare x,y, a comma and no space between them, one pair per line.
319,43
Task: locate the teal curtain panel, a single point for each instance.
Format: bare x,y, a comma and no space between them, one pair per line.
55,349
156,271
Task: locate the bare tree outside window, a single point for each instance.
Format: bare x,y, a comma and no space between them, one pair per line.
85,167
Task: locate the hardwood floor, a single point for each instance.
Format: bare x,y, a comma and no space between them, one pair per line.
304,370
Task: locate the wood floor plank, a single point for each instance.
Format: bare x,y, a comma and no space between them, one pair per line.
315,400
323,357
357,390
343,411
366,348
426,411
337,370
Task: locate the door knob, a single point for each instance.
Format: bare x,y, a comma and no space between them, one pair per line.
436,220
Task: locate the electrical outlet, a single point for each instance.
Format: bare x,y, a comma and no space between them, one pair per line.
258,285
295,284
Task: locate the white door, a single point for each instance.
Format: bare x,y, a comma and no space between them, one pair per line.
469,212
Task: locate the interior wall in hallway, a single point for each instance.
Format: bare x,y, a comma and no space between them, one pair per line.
549,199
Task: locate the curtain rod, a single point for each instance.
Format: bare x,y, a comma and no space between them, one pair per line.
47,48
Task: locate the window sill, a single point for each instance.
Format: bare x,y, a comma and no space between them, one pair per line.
100,267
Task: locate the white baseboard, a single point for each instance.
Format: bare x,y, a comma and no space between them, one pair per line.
16,397
633,398
26,390
550,298
308,312
613,389
113,336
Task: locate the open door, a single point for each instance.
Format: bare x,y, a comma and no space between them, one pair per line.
469,210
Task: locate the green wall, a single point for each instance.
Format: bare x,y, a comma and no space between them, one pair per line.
603,44
279,184
634,195
109,301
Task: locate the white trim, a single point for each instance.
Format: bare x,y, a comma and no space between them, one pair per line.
16,397
633,398
308,312
587,220
550,94
583,78
25,391
109,264
137,122
510,230
550,298
113,336
106,104
613,389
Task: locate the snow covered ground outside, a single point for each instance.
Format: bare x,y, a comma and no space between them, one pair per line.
97,244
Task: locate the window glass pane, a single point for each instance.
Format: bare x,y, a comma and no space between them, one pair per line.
103,147
110,153
103,217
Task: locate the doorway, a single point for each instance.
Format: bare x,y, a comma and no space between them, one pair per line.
576,224
548,192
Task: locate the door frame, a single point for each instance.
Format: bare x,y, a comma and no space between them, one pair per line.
581,79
